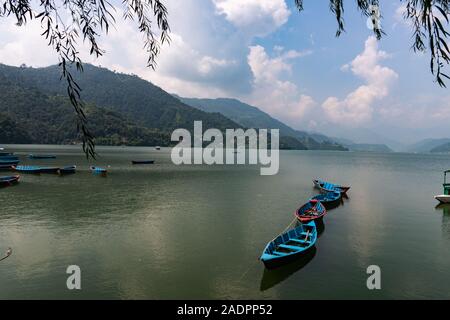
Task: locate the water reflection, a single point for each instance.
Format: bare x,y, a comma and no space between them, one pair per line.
273,277
445,208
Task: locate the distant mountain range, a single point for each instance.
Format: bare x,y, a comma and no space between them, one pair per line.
251,117
428,145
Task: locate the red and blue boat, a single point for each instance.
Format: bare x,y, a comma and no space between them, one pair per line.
310,211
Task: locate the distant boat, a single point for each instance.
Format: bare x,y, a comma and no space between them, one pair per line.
158,148
8,180
1,149
329,200
328,187
444,198
27,169
67,170
311,210
9,162
289,245
143,161
50,170
41,156
98,170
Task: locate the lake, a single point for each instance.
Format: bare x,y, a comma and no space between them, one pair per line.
196,232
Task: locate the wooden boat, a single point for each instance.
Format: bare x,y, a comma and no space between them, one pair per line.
8,180
41,156
5,167
67,170
143,161
328,187
53,170
10,158
311,210
289,245
98,170
329,200
2,154
27,169
9,162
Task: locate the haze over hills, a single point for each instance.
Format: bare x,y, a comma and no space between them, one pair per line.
426,145
252,117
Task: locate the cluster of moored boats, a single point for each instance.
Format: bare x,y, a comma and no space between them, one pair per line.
298,241
10,162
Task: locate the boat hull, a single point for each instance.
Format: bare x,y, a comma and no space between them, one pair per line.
443,198
9,162
67,170
41,157
53,170
27,169
143,162
276,263
329,200
8,181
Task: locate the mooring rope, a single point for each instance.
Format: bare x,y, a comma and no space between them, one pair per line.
7,254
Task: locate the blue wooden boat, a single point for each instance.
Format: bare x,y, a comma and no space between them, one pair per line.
311,210
330,199
52,170
98,170
324,186
8,180
41,156
27,169
6,158
3,154
9,162
143,161
67,170
289,245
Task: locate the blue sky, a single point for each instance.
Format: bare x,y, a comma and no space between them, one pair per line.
288,64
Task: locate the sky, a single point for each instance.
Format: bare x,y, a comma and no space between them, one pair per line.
288,64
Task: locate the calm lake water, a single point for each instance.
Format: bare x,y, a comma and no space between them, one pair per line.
179,232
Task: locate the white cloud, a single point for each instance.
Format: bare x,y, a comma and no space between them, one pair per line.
357,107
274,95
258,17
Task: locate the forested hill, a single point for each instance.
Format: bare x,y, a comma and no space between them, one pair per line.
136,99
30,116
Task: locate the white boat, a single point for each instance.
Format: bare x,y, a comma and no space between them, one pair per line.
443,198
1,149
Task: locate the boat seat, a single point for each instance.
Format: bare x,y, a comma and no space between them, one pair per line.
289,247
279,253
304,234
301,241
